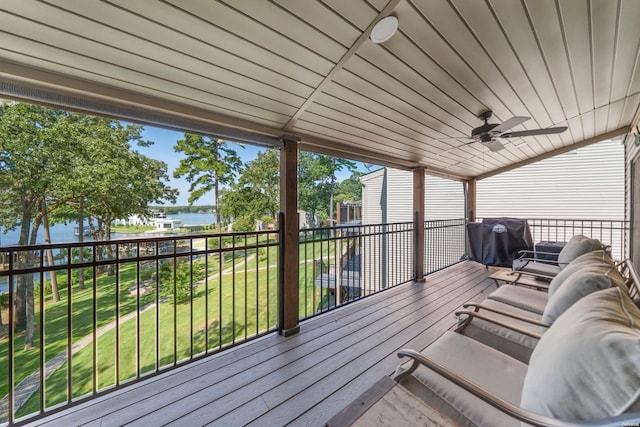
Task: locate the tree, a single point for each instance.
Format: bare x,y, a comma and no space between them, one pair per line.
111,179
350,189
317,181
30,155
209,163
257,191
50,159
263,175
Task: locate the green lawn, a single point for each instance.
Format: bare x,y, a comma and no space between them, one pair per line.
215,316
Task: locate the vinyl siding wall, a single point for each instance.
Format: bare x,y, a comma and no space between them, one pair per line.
588,183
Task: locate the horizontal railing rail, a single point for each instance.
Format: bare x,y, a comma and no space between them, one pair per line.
610,232
122,310
339,265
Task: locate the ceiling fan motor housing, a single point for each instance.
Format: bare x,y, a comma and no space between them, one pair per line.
483,130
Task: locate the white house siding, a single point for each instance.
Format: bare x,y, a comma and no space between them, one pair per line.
588,183
387,197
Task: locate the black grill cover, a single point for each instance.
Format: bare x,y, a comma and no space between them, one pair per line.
496,241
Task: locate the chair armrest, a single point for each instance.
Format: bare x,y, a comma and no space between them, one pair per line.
477,306
499,403
514,328
529,254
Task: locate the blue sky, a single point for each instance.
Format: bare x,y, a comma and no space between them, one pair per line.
162,149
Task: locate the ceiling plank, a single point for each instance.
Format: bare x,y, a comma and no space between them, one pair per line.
329,77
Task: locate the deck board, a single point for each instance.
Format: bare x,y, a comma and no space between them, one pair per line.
300,380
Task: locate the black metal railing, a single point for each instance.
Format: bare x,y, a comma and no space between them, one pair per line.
610,232
118,311
444,243
344,264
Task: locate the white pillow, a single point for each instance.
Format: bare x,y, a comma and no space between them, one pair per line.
587,365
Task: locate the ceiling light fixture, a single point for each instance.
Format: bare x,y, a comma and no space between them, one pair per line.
384,29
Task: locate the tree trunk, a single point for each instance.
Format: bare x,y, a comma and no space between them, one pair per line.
107,237
215,190
218,226
20,300
81,239
47,240
29,294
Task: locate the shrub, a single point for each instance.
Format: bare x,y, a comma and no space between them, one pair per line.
244,224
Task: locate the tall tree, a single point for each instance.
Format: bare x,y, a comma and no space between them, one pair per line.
263,175
350,189
317,181
29,155
209,163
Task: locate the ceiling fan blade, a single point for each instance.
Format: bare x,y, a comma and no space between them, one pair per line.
513,121
533,132
494,145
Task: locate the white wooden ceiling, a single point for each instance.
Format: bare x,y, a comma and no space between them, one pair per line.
308,68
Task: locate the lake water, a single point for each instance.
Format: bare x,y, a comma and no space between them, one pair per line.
61,233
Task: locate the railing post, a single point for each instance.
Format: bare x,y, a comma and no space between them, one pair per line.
281,261
418,224
289,284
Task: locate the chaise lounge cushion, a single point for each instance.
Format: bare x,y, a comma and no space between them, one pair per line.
515,344
587,365
589,279
495,371
598,257
575,247
524,298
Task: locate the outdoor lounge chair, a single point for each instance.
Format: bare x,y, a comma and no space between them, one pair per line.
593,344
512,318
576,246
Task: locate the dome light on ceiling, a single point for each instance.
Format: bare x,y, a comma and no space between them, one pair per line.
384,29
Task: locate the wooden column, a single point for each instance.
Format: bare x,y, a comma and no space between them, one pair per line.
470,199
418,219
289,289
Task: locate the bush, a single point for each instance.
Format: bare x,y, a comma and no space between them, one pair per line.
244,224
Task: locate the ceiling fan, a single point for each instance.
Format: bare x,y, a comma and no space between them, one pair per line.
489,133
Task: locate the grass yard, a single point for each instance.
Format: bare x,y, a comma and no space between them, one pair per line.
222,309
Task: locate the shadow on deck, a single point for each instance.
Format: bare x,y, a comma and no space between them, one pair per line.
301,380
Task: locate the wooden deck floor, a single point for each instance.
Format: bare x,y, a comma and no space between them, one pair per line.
302,380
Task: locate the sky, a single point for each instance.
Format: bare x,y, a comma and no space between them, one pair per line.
162,149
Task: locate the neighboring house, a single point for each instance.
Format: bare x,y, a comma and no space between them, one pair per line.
166,223
132,220
387,198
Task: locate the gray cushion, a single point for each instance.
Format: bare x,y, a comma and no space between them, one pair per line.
541,269
494,371
598,257
524,298
575,247
505,340
587,365
588,279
